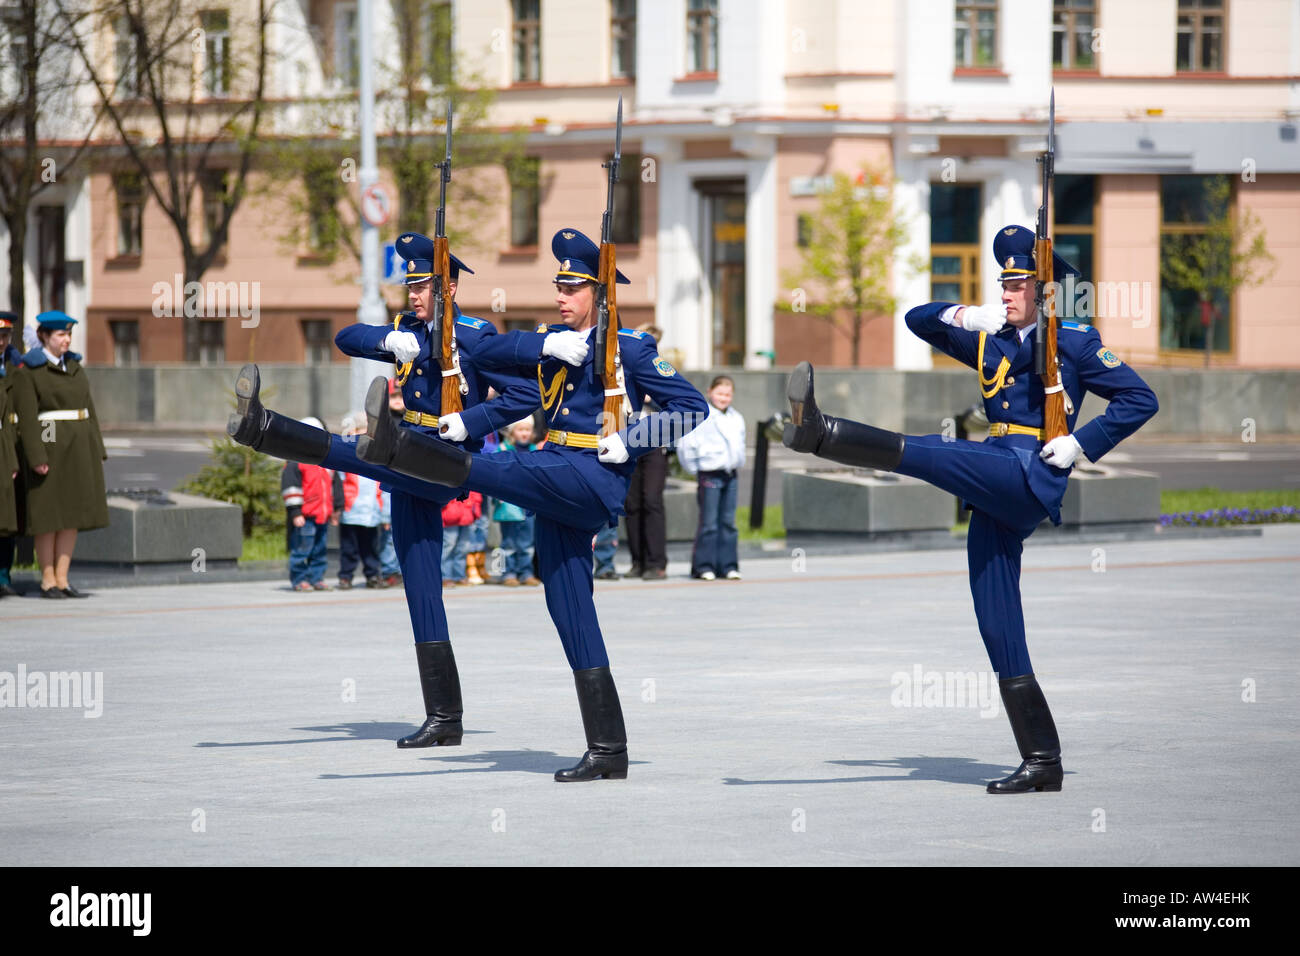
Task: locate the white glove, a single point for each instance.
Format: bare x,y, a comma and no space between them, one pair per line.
452,428
404,345
984,318
1061,452
569,347
610,449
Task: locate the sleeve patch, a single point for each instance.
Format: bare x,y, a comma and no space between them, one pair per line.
664,367
1108,358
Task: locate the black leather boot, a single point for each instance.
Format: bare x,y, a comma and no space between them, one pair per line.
602,720
1035,732
440,685
406,450
836,439
270,432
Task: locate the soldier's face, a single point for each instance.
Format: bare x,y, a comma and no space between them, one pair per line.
421,298
575,304
57,342
1018,297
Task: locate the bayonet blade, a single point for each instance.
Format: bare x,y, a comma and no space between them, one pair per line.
618,135
1051,123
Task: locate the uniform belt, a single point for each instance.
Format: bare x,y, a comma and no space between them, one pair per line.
574,439
64,415
998,429
420,418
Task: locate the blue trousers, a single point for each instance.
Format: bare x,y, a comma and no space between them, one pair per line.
457,541
307,559
417,536
991,479
716,539
517,543
604,548
573,496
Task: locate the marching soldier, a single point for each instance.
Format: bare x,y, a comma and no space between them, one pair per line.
416,507
1012,481
63,450
576,484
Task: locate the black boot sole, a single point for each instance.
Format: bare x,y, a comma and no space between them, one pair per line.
243,427
376,445
422,738
804,432
591,769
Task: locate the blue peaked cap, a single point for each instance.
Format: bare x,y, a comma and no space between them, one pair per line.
417,250
1013,248
579,259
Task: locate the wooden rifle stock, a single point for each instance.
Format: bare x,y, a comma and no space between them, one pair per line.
1054,420
607,272
451,400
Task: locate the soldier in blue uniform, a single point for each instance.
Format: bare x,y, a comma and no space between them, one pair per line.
576,484
416,506
1012,481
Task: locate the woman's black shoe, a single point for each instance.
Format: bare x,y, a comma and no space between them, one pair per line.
72,592
53,593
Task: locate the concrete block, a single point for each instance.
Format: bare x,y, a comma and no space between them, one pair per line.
164,529
862,502
1099,494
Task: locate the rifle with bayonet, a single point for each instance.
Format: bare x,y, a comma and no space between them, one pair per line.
443,337
1046,365
606,336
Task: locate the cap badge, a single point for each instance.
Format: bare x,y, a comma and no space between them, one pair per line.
568,235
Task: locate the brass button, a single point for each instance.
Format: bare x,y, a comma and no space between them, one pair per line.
568,388
1004,404
1011,380
419,371
417,395
564,411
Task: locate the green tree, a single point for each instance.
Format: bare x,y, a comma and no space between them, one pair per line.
1226,252
243,477
848,246
410,116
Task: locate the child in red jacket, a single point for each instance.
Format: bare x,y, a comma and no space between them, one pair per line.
458,518
313,497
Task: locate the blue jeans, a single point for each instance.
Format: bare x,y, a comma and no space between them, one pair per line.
605,549
387,553
457,541
716,538
307,557
517,545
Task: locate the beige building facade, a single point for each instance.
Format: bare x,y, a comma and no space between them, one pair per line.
736,112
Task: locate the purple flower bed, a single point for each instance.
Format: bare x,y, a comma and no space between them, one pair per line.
1222,516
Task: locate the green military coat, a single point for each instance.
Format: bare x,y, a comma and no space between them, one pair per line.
71,494
8,455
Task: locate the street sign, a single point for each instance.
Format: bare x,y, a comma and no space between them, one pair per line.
376,207
393,267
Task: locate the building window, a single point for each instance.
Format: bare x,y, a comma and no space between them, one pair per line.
525,198
347,46
317,341
324,189
127,59
439,53
626,227
622,38
803,230
527,40
1200,36
14,39
126,341
954,243
977,33
702,36
212,341
130,213
216,52
1187,206
1073,23
1074,233
215,185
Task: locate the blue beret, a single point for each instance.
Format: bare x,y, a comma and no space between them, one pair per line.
579,258
417,250
55,321
1013,248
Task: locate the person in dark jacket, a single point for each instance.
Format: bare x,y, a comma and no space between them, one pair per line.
11,495
63,450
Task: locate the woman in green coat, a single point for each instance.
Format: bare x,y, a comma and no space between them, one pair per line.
63,451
